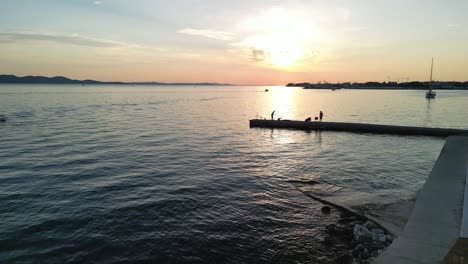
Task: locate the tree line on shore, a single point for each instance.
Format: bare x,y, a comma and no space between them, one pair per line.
452,85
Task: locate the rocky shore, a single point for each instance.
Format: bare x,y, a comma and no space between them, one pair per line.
356,237
362,239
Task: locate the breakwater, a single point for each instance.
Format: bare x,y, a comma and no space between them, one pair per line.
437,229
357,127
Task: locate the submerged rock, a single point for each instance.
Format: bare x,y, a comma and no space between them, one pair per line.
365,254
326,209
356,250
344,259
340,232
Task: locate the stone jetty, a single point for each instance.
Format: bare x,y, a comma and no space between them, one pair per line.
357,127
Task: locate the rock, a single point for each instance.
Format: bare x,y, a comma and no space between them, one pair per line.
364,237
359,229
326,209
344,259
379,237
367,261
389,238
382,238
340,232
356,250
365,254
370,225
345,220
377,231
346,214
377,245
362,234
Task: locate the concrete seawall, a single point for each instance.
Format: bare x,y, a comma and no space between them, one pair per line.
437,229
357,127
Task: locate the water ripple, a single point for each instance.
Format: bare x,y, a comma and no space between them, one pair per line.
117,174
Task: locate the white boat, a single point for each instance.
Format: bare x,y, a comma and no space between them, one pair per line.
431,94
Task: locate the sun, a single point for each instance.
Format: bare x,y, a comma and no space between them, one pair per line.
280,41
284,53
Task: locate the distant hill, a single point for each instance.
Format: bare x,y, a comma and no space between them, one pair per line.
12,79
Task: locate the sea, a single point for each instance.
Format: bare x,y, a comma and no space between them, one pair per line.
174,174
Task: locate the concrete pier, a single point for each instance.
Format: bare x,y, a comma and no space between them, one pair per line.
357,127
437,229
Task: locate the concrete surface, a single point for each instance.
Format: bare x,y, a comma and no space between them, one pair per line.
434,228
357,127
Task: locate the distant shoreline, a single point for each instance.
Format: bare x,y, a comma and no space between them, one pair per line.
391,88
13,79
415,85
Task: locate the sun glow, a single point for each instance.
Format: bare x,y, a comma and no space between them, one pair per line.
280,40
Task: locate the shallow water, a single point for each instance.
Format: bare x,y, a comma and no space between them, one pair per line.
167,174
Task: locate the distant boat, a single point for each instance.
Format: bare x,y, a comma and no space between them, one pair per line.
266,90
431,94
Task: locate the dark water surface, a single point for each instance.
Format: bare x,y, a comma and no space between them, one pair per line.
114,174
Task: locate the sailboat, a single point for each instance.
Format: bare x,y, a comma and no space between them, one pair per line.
431,94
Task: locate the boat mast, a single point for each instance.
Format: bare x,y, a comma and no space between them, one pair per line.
430,81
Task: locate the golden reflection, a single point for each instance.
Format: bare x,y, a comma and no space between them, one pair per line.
283,101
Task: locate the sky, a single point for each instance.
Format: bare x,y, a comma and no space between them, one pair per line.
240,42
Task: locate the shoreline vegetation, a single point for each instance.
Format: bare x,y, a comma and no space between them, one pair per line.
414,85
13,79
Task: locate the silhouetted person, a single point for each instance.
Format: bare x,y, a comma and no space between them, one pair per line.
321,115
272,114
308,119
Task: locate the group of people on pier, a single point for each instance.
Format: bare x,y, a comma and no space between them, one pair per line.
307,119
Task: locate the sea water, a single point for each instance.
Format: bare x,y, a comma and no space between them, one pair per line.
174,174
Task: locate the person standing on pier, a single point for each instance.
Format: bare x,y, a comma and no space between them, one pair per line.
272,114
321,115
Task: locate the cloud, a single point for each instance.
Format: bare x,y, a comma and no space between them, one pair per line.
453,25
258,54
98,2
58,38
208,33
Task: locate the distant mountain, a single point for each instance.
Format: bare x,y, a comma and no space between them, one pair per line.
63,80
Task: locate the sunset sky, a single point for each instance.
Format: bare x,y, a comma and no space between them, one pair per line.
240,42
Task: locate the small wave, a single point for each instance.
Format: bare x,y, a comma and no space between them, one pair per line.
123,104
20,114
211,99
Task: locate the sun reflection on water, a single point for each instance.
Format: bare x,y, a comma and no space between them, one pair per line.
283,102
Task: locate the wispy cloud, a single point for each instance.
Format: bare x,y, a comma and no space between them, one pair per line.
98,2
453,25
208,33
73,39
258,54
